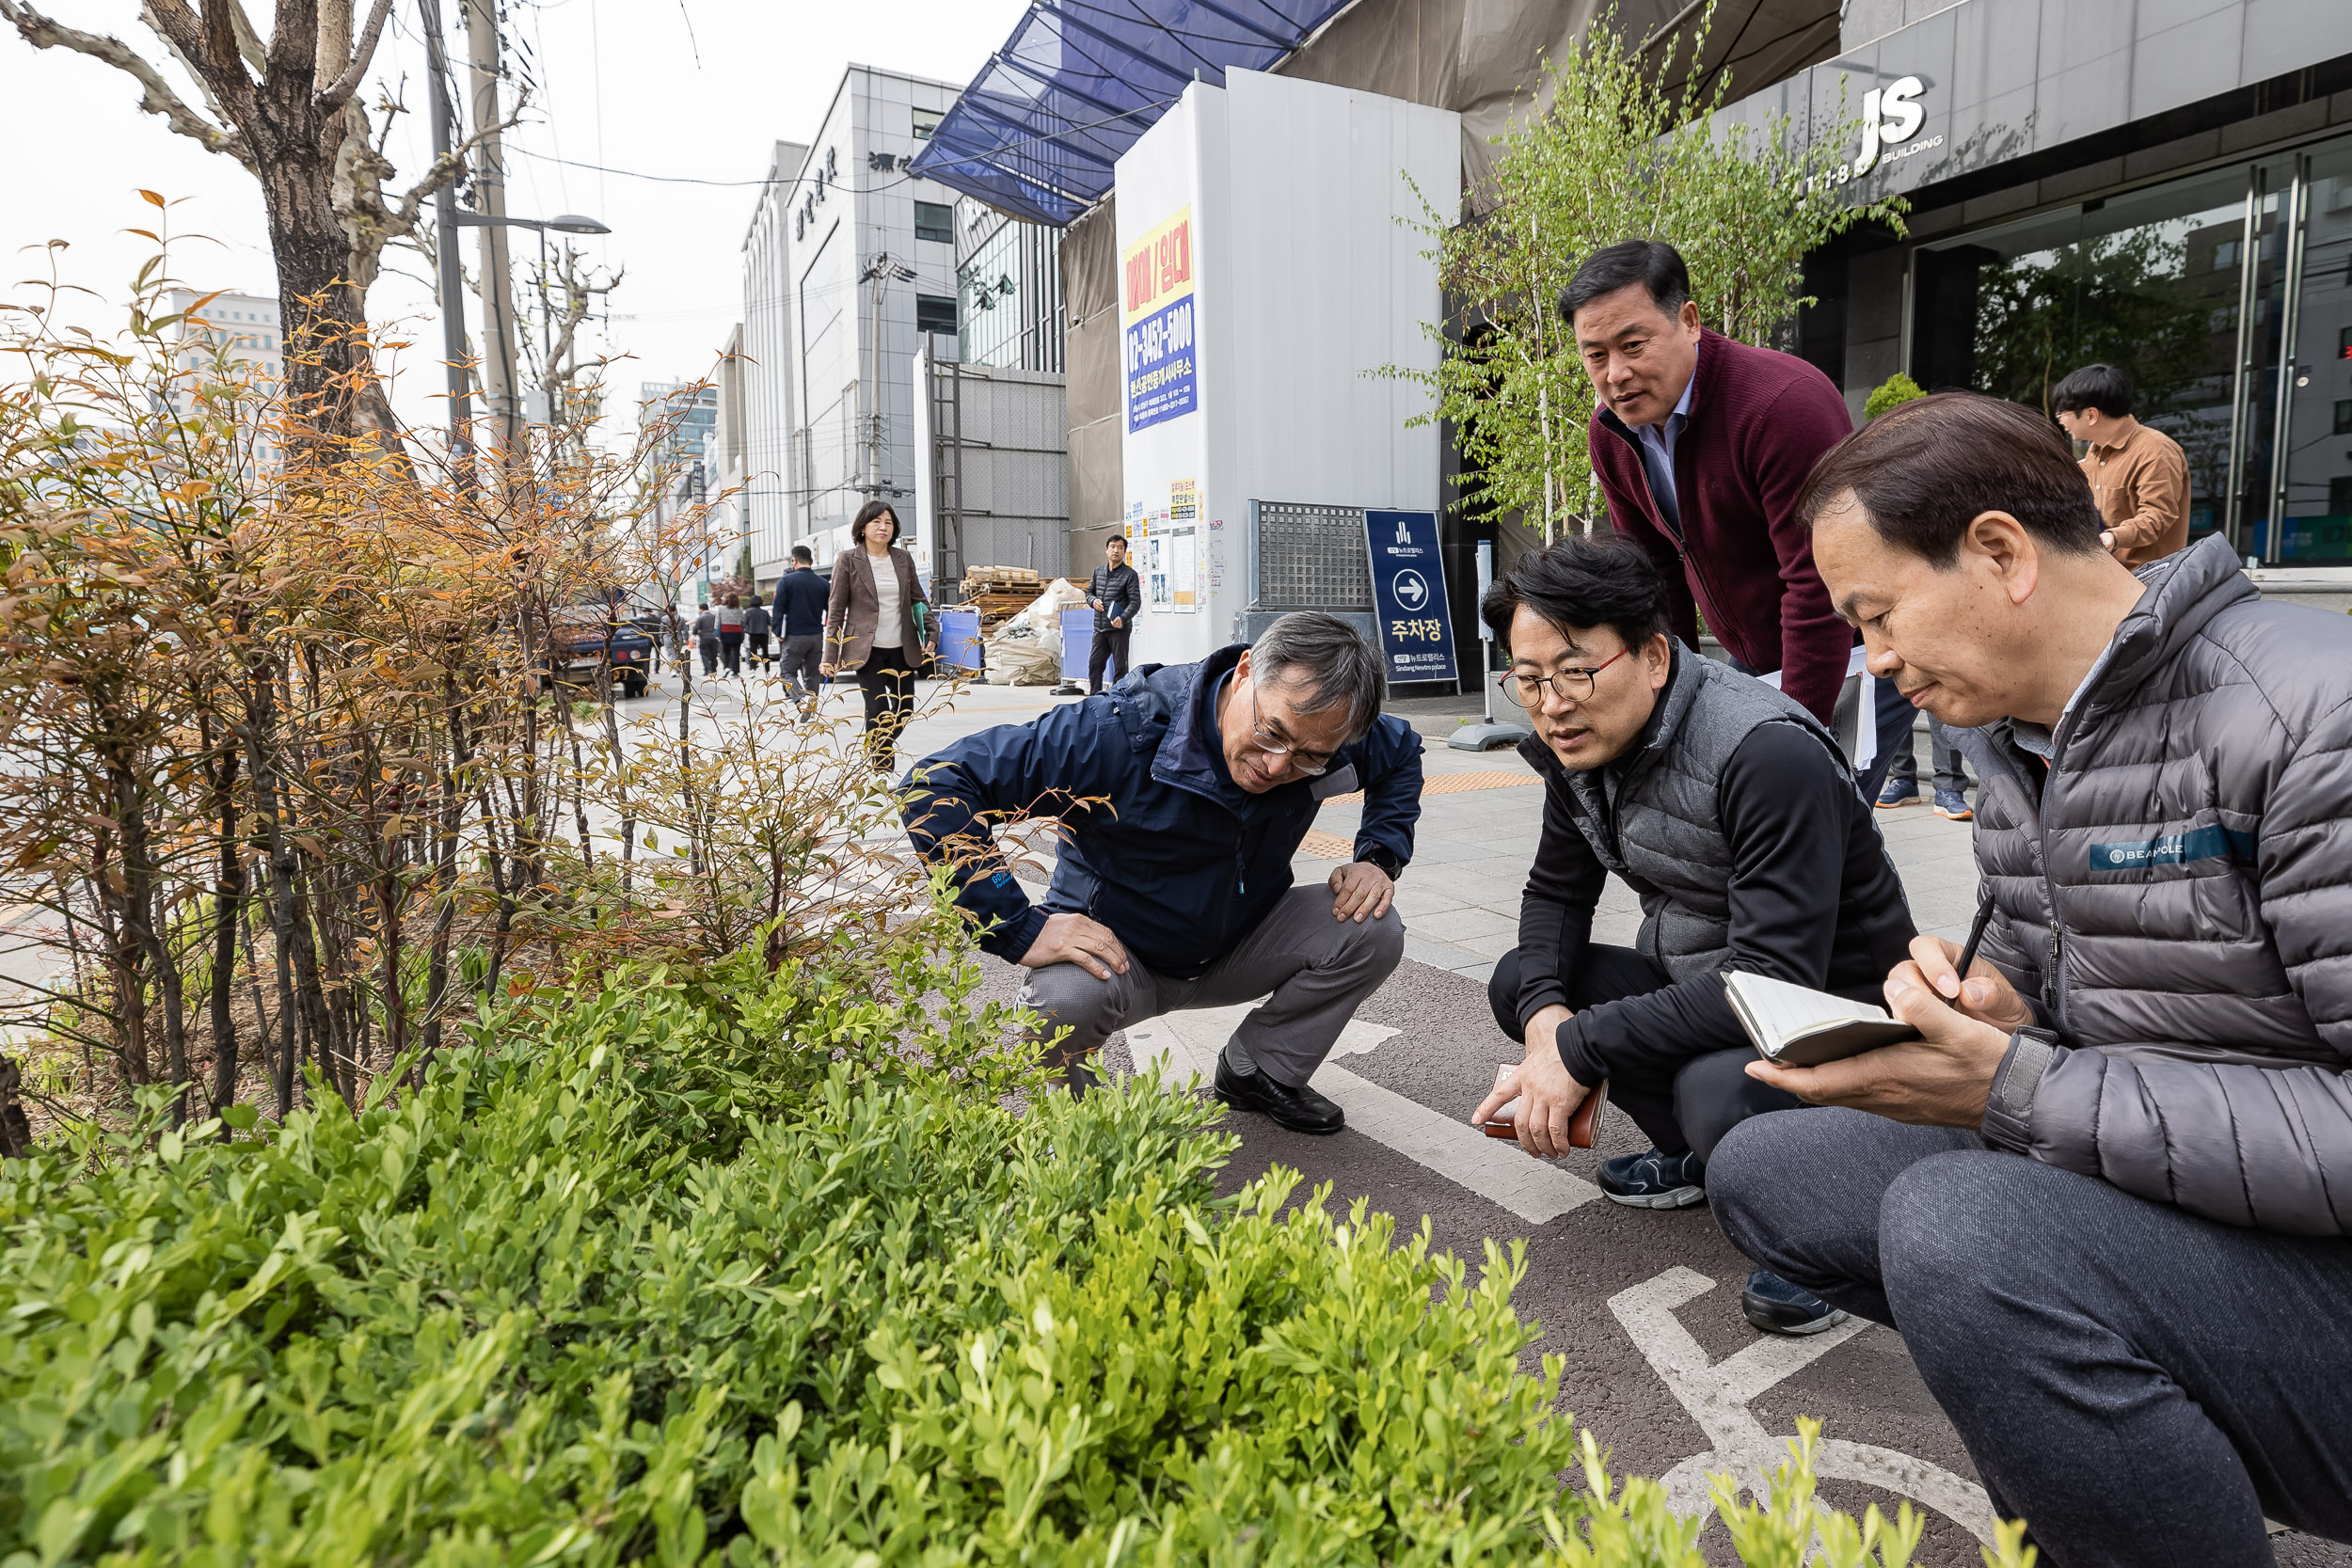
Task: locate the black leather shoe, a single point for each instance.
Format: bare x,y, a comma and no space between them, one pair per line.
1772,1304
1301,1110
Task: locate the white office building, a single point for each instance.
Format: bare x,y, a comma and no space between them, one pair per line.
242,327
848,260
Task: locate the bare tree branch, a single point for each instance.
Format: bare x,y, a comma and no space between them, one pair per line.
228,93
249,46
402,219
335,96
157,97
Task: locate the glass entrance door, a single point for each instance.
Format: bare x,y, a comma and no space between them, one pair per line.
2152,281
2307,477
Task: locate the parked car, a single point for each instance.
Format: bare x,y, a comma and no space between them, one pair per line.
601,625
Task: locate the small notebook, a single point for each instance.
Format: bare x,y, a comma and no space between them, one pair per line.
1798,1026
1583,1127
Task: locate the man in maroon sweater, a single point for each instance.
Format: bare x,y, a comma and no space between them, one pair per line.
1701,445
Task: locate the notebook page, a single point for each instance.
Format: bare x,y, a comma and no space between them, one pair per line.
1781,1010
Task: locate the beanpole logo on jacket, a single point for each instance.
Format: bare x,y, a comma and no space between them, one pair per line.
2211,842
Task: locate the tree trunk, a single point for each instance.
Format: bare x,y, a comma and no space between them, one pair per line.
332,393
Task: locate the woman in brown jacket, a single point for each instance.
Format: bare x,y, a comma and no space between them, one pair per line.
871,625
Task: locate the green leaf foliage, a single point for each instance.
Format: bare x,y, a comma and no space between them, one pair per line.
1896,389
707,1267
734,1268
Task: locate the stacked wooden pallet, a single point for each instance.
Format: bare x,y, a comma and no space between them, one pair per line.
1000,592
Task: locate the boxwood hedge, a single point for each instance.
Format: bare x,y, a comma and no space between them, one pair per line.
744,1268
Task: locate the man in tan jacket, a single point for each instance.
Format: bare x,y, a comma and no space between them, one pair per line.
2136,473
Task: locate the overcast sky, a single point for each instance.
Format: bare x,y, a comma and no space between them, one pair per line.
699,89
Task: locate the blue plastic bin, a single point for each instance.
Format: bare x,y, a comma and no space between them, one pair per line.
960,641
1077,640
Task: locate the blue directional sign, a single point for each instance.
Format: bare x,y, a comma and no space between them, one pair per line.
1408,596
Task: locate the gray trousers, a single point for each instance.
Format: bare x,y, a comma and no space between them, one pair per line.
799,660
1319,969
2140,1385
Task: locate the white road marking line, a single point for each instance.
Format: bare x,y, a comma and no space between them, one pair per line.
1182,1044
1717,1394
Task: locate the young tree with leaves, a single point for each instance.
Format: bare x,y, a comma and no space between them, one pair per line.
1616,156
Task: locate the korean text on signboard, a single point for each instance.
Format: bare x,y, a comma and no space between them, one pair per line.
1408,596
1155,296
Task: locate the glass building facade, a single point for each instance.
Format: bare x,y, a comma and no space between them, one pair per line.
1009,302
2228,296
2164,188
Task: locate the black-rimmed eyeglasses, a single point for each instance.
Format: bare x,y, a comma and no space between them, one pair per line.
1570,686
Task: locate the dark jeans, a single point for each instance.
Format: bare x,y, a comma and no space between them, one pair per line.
1951,771
731,652
756,648
889,686
1679,1103
709,647
1110,642
2139,1384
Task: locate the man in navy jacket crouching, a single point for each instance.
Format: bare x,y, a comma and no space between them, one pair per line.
1184,792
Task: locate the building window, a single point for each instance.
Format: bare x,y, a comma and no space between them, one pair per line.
935,220
2344,416
925,121
935,314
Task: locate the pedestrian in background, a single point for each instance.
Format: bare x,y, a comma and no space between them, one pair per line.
1952,775
800,621
1116,593
755,624
876,625
1701,445
2136,473
707,639
731,635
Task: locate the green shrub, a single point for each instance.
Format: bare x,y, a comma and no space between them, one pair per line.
714,1268
1896,389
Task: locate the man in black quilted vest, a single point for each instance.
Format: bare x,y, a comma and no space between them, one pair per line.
1730,811
2114,1236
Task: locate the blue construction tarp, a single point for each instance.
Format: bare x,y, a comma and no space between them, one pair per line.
1039,130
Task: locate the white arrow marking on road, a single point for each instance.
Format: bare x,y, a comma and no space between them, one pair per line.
1181,1043
1717,1394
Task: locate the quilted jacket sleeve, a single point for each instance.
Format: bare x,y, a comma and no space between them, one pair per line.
2265,1146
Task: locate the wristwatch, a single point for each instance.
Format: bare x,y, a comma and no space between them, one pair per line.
1382,856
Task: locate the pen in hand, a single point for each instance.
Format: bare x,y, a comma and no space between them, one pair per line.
1976,939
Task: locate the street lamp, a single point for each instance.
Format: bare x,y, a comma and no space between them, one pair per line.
448,219
453,311
563,223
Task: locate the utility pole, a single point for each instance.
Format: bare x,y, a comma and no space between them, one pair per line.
883,270
498,391
452,288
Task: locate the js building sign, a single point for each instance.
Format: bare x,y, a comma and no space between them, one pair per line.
1408,596
1155,292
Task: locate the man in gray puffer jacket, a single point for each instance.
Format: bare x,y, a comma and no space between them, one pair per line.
2116,1245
